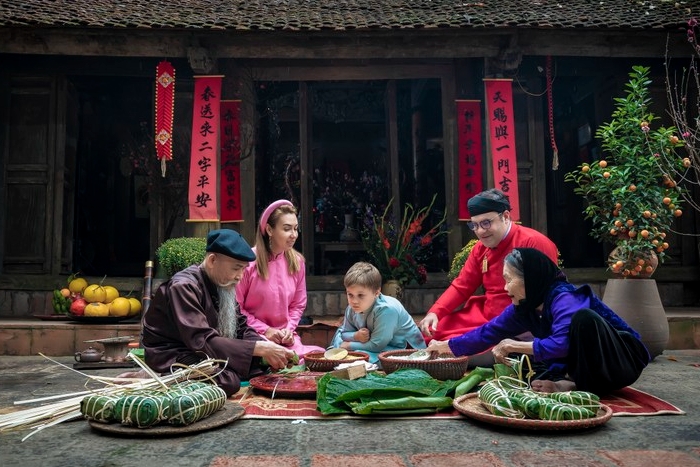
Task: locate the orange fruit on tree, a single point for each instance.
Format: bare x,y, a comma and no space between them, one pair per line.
667,200
585,168
606,174
644,233
630,222
678,213
94,293
135,306
686,162
111,293
77,285
632,233
603,164
647,214
120,306
633,188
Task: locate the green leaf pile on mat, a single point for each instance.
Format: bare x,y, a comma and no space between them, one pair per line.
403,392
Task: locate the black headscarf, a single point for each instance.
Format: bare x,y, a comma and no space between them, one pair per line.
539,273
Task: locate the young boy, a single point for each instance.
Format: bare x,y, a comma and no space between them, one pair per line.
374,322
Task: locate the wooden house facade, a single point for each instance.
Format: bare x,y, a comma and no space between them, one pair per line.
361,90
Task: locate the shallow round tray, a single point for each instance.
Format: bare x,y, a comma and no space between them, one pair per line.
315,361
287,385
470,406
101,319
230,412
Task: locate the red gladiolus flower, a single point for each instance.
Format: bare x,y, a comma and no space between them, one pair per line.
394,263
386,244
425,241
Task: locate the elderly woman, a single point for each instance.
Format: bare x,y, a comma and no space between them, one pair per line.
580,343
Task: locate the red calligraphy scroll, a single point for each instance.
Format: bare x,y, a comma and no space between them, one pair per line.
230,194
500,124
203,187
469,153
165,106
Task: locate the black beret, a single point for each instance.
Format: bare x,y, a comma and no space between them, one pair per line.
230,243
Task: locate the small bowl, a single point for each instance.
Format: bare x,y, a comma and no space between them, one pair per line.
315,361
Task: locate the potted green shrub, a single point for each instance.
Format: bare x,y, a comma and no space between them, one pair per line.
632,203
176,254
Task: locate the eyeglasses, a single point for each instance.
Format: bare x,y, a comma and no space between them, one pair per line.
485,224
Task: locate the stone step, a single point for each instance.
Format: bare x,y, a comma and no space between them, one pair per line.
23,337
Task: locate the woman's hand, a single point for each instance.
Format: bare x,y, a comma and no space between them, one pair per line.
506,347
280,336
428,324
439,347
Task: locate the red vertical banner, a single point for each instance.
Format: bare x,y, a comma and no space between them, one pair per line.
469,153
501,127
165,109
230,193
203,187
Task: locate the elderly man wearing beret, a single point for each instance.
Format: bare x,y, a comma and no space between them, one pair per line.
457,310
194,316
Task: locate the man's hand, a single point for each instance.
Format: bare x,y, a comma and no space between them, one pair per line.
274,354
362,335
428,324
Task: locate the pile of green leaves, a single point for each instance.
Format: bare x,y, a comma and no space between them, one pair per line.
405,391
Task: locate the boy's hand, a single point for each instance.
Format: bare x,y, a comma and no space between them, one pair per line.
362,335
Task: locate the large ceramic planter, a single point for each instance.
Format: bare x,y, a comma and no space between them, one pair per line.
393,288
637,301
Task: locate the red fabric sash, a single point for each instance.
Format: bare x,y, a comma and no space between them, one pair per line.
165,104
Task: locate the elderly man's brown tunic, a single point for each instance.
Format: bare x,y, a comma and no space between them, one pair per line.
181,326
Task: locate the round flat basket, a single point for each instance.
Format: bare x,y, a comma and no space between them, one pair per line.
470,406
443,367
315,361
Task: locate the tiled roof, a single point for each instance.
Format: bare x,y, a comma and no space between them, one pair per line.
344,15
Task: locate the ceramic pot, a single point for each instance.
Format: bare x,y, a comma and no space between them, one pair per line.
89,355
393,288
637,301
349,234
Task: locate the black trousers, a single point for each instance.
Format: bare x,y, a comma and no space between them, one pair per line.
602,359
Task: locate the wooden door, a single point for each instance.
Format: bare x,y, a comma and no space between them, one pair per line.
33,152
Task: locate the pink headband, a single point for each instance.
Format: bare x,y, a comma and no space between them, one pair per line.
269,210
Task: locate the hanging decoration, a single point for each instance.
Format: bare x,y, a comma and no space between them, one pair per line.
203,193
469,153
165,109
501,129
230,195
550,109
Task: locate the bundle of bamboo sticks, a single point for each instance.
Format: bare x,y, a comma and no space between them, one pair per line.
67,406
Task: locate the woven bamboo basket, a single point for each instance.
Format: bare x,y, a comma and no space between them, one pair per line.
315,361
443,367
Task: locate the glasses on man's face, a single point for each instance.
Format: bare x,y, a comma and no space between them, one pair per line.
485,224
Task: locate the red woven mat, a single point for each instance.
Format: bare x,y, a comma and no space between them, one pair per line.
625,402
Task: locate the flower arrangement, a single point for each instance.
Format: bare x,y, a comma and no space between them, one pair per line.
397,250
632,201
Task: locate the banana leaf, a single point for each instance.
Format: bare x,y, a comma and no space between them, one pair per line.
410,405
336,396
